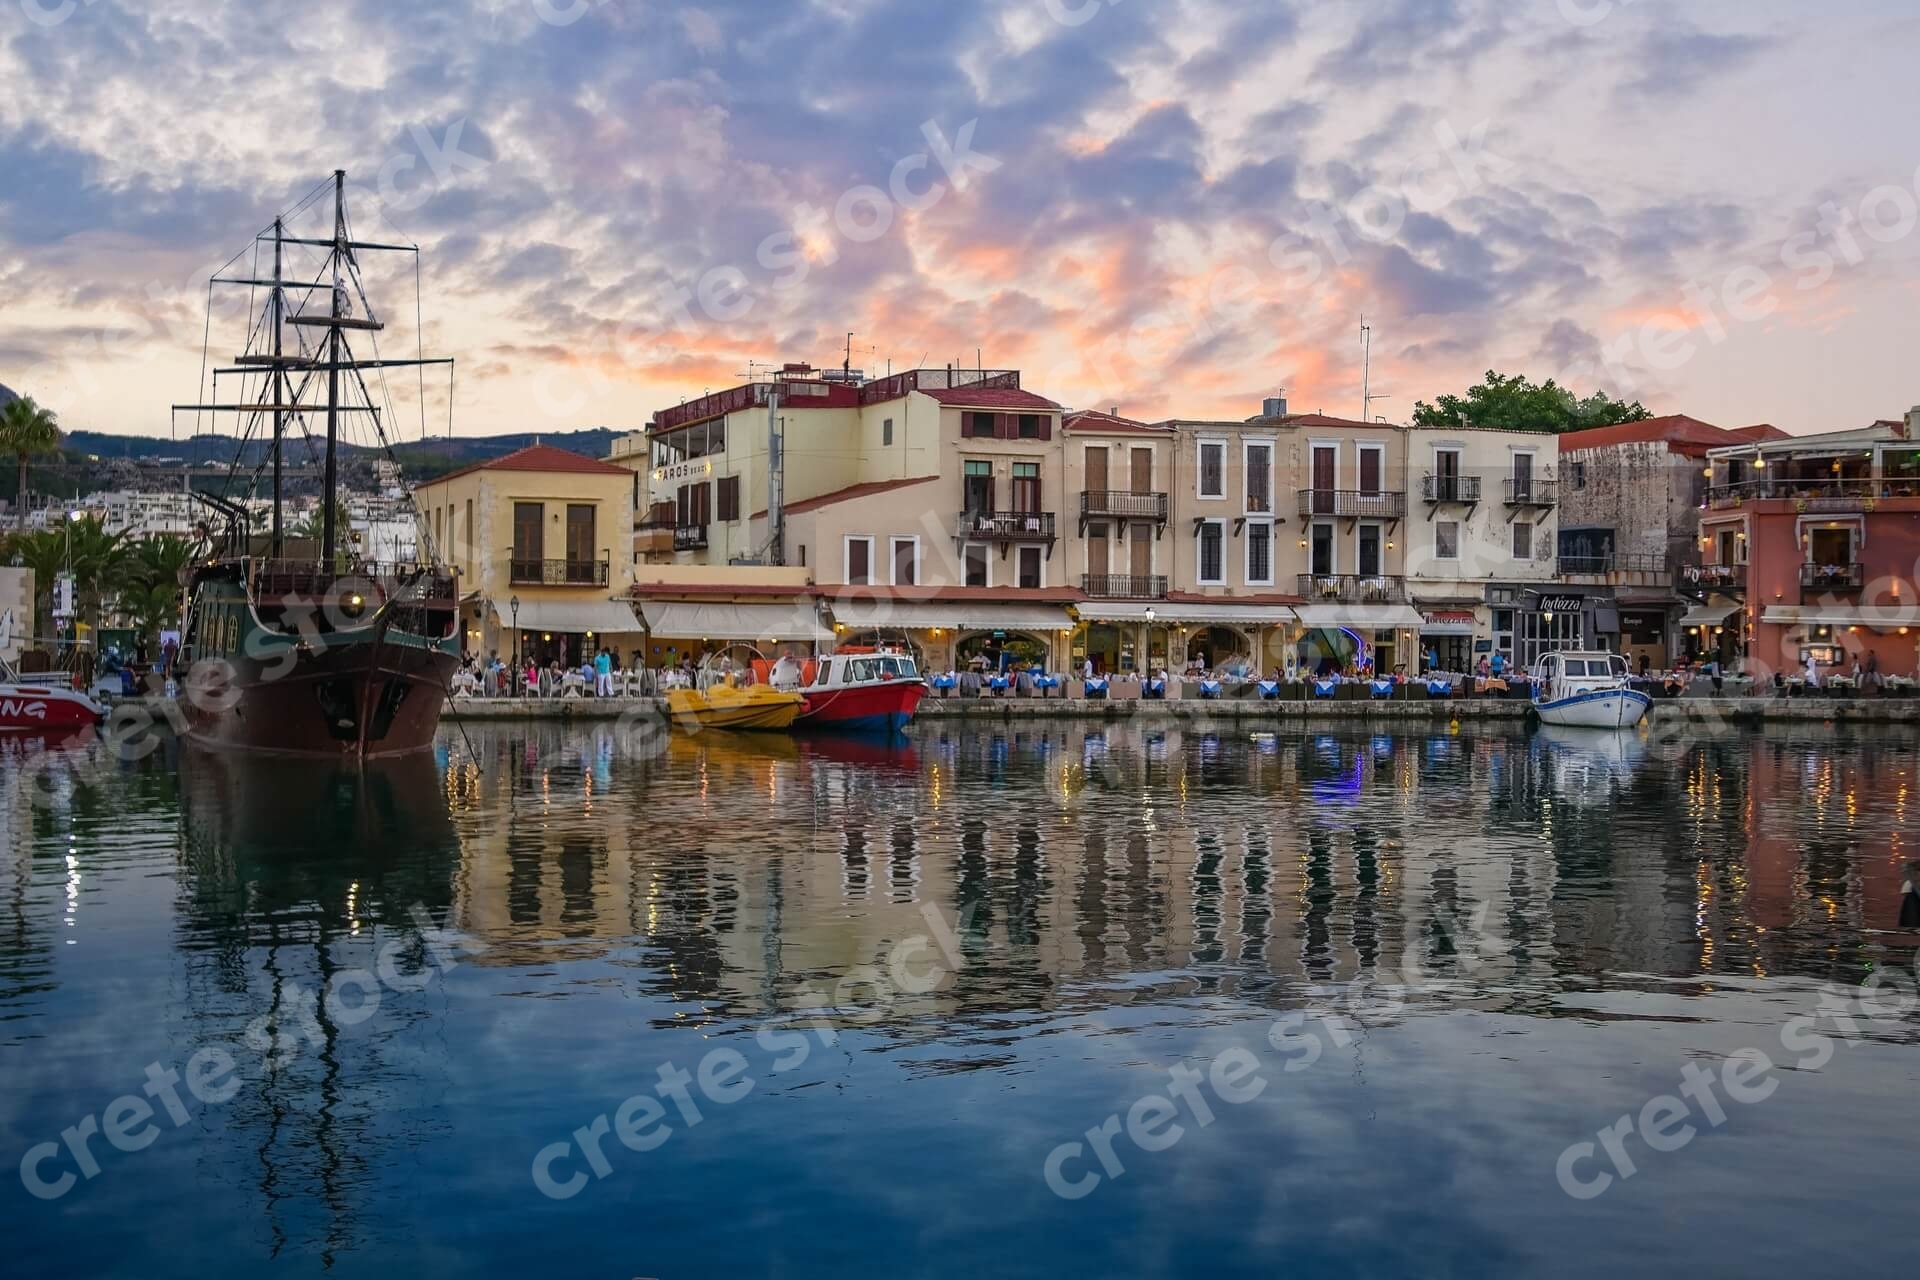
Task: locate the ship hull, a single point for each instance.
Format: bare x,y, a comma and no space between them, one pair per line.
355,699
885,708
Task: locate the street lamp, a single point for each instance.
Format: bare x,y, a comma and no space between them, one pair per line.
513,604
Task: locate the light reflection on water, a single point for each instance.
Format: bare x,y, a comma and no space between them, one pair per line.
1583,915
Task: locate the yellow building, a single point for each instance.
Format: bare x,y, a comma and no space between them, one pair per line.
542,541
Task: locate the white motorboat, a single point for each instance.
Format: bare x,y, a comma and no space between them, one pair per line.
1587,691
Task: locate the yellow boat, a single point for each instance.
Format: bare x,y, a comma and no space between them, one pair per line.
724,706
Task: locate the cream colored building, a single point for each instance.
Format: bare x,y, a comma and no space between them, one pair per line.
928,505
17,598
1481,554
541,539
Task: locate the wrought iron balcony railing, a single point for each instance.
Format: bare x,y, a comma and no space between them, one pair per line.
1832,577
1119,504
1536,491
1353,588
1006,526
1364,505
557,573
1450,488
1123,586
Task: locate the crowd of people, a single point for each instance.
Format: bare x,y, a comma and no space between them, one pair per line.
598,675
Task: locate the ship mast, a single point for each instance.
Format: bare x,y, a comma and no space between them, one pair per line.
333,367
279,382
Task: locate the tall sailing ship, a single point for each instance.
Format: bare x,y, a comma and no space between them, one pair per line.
300,646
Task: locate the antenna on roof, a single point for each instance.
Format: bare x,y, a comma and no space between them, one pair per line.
1367,395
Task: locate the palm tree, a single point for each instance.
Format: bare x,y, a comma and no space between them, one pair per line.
152,580
45,552
26,430
98,560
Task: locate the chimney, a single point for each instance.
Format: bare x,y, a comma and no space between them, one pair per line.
1274,406
1116,412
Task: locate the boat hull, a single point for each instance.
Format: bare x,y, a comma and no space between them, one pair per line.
1600,709
755,708
39,708
883,708
353,698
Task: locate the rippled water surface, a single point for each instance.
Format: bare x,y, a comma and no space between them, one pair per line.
931,967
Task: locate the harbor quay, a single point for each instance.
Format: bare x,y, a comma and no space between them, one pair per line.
1665,712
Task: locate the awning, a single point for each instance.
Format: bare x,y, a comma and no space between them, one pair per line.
602,617
1711,614
1447,622
1838,615
1380,617
1223,613
791,620
957,615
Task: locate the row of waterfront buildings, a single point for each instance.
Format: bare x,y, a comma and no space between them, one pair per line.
972,518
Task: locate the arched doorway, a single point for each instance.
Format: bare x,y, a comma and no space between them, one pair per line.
1001,650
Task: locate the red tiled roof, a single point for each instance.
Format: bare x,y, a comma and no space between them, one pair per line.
1764,431
990,398
1092,421
848,494
540,457
1681,434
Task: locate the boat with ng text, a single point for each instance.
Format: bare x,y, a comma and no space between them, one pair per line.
863,691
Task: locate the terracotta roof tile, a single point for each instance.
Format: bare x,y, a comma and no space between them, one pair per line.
539,457
990,398
849,494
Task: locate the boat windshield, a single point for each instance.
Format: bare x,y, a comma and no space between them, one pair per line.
860,669
899,668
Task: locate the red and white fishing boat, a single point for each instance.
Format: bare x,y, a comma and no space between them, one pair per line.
39,703
862,691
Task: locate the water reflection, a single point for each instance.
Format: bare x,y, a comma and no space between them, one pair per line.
703,883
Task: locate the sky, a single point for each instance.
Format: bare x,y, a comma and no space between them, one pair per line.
1175,208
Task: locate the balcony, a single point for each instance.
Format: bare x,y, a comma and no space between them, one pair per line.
1536,491
1705,579
1812,494
1439,489
1353,502
1116,504
1352,588
690,537
1109,586
557,573
1832,577
1614,570
1005,526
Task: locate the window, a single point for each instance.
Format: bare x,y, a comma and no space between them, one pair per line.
859,562
1523,477
977,488
1372,468
1259,467
1030,568
1369,550
1577,474
886,432
1544,633
906,562
976,567
978,425
1212,569
1323,473
1259,554
1446,475
695,511
1446,540
529,531
1029,426
1098,564
1503,631
729,499
1026,486
1321,560
580,539
1523,540
1213,466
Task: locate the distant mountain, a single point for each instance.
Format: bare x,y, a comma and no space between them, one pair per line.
420,459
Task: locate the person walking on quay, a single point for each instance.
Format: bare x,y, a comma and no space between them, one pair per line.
603,675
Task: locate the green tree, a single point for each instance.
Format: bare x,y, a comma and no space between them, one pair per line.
1516,404
26,431
45,552
98,561
151,581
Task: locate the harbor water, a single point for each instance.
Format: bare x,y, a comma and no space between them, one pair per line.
1042,999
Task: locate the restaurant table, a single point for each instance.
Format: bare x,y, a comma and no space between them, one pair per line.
1269,690
1096,690
1210,688
1382,688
